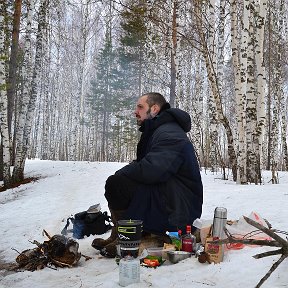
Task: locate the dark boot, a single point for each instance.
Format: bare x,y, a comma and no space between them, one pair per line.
99,243
110,250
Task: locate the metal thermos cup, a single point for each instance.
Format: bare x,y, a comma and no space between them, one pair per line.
219,222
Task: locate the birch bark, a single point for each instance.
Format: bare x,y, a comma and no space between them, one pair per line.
261,13
255,90
24,100
284,110
5,143
212,106
174,65
23,144
13,62
278,129
214,86
284,135
239,42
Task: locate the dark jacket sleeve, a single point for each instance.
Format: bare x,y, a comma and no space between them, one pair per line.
160,163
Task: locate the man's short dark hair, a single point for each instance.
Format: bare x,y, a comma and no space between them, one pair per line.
155,98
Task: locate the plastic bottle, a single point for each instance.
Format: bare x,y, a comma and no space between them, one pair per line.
175,238
188,240
129,271
179,247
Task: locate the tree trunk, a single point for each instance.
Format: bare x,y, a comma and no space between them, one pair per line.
5,143
13,62
213,133
173,75
213,82
239,58
21,154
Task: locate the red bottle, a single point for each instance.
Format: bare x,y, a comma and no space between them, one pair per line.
188,240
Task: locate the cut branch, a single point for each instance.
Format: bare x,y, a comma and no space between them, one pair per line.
272,269
269,232
269,253
277,242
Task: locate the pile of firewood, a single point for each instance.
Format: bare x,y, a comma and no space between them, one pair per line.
58,251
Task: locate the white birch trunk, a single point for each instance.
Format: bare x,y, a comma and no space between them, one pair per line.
47,112
82,64
212,106
261,78
255,90
284,121
240,74
18,171
278,129
251,101
23,103
214,87
174,62
4,106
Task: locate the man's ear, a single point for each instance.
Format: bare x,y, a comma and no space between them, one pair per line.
155,109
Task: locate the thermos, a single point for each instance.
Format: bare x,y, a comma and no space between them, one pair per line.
219,222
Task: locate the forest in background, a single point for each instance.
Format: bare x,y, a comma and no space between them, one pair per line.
71,72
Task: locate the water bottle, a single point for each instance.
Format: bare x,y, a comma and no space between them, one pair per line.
129,271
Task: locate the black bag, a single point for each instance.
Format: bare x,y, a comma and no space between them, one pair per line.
85,224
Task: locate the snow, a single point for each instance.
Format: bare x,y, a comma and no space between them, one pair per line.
65,188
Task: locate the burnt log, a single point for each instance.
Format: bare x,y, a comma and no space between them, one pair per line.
59,251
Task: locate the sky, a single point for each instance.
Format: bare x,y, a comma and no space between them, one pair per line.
66,188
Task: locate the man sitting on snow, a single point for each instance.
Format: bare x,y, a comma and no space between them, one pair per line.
163,187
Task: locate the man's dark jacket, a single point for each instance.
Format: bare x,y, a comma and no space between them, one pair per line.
170,193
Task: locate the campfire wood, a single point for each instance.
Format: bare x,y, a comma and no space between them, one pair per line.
277,242
59,251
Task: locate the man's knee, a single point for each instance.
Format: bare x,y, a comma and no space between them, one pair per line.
119,191
112,182
113,185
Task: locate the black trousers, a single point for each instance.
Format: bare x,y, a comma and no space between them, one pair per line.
119,191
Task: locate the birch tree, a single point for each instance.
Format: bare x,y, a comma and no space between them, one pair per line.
165,59
276,92
27,115
213,53
174,52
213,81
5,143
11,83
239,44
255,116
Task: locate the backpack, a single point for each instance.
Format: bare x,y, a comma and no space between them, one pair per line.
90,222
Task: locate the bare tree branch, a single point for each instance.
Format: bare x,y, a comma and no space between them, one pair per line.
272,269
277,242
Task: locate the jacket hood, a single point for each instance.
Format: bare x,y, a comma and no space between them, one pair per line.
177,115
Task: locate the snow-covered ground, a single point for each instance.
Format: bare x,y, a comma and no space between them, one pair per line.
66,188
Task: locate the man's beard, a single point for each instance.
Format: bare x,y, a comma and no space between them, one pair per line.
149,116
